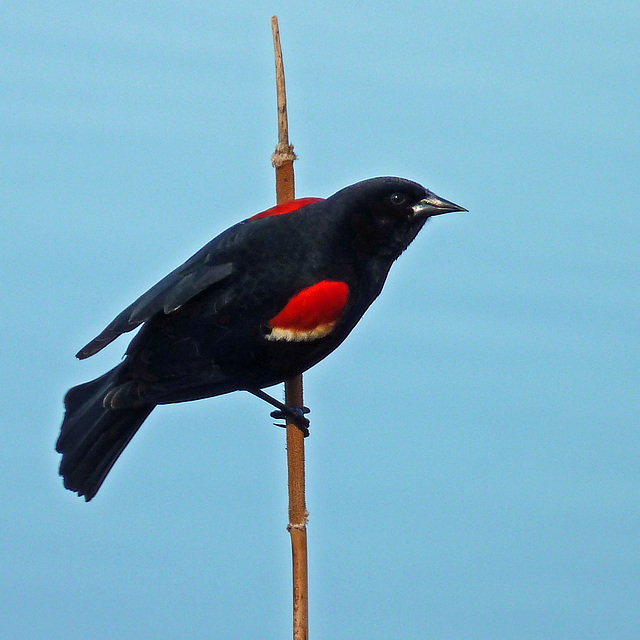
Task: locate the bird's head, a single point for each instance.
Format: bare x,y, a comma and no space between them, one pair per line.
385,214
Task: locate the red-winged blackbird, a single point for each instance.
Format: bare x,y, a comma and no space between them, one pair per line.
264,301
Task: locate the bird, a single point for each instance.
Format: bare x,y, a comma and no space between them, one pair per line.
262,302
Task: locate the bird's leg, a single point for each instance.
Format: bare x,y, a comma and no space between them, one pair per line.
293,414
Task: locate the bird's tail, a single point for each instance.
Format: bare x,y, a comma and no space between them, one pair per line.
93,436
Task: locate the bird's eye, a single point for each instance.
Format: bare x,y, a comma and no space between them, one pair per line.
397,198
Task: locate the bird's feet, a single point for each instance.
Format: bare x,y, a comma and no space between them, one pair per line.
293,415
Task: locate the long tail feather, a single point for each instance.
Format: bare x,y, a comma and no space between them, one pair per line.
92,436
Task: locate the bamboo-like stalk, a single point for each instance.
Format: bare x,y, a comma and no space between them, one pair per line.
282,160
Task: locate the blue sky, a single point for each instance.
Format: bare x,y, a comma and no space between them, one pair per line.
474,463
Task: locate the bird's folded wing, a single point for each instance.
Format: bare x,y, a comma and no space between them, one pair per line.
168,295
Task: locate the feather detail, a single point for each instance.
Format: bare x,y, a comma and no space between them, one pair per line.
311,314
285,207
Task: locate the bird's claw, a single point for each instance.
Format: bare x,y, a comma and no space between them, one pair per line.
294,415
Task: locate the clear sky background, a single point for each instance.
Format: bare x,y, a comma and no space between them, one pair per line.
474,463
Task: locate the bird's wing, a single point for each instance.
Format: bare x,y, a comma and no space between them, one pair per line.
206,268
198,273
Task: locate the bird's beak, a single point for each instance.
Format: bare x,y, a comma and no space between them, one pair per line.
434,205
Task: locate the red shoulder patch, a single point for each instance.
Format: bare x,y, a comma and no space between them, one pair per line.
286,207
310,314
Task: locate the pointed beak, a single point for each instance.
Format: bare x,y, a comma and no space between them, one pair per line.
434,205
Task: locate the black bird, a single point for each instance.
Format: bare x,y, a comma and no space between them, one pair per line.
264,301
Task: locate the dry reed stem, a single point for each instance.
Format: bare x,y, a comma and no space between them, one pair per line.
282,160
